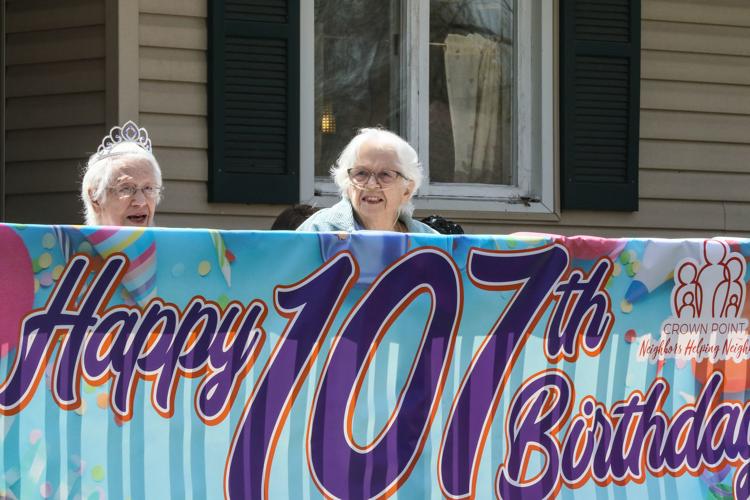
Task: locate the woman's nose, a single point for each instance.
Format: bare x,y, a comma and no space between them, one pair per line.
138,198
373,178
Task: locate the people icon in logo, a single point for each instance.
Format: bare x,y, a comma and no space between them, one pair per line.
687,294
713,290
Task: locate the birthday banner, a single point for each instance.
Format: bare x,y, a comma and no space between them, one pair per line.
165,363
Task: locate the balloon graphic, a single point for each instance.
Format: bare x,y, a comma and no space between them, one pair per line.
582,247
16,287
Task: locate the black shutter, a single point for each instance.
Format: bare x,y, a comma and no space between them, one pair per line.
600,97
254,101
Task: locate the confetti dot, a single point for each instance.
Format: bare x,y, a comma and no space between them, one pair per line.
11,476
81,408
223,300
102,400
79,466
204,268
48,240
88,388
36,285
512,243
616,269
627,256
626,306
45,490
630,336
45,260
635,266
35,266
178,269
57,272
230,256
35,436
45,279
85,247
629,270
97,473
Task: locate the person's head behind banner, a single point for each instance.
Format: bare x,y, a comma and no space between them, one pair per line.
291,217
378,172
122,182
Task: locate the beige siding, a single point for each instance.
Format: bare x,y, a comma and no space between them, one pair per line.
695,125
174,107
695,115
55,105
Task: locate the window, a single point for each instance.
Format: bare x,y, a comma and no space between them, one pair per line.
467,82
470,83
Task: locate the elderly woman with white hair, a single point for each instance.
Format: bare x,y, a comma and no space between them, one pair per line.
122,181
377,175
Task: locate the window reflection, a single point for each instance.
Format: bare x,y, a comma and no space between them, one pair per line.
357,72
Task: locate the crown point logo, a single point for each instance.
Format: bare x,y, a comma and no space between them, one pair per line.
712,288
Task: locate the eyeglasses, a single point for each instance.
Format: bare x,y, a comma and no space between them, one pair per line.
361,176
128,191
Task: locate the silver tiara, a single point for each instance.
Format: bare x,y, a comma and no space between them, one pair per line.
130,132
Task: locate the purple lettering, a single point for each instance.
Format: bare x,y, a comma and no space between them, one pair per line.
581,303
311,306
531,274
545,401
230,356
40,331
341,467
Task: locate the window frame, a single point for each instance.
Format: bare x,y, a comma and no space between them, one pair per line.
537,164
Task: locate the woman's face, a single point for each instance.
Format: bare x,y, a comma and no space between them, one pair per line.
131,197
377,206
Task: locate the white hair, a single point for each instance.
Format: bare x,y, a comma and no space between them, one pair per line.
98,174
406,158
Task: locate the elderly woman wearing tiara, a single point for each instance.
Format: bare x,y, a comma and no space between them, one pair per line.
377,175
122,180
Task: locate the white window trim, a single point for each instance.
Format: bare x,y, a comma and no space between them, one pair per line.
450,197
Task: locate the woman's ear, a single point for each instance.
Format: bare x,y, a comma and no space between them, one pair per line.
409,188
94,201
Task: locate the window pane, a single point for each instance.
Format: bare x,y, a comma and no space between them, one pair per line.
357,72
471,91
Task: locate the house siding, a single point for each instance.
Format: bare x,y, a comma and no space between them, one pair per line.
55,105
173,107
694,122
695,125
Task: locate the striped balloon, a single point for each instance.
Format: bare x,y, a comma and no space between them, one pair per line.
64,241
139,247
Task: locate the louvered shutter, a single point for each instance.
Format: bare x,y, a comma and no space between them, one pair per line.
254,101
600,98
